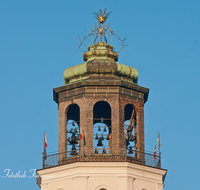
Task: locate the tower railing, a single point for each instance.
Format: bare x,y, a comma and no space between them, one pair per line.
102,155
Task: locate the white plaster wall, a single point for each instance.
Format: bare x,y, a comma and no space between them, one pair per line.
143,184
97,175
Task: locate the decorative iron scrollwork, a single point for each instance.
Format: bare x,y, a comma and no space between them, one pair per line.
100,31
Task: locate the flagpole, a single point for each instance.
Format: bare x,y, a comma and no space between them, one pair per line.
44,143
159,163
44,152
159,144
154,155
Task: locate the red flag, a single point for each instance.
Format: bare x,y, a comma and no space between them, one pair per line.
45,141
158,140
154,155
81,136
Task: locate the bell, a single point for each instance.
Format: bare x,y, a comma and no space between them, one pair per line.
73,152
96,138
73,138
102,138
130,151
73,148
76,142
100,142
71,131
73,123
75,130
99,129
104,151
104,130
96,151
107,137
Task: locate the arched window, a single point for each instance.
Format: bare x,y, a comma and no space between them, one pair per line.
102,127
103,187
73,120
73,113
130,128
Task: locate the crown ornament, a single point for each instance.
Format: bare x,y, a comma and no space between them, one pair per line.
100,31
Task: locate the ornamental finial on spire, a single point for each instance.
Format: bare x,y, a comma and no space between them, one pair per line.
101,30
101,16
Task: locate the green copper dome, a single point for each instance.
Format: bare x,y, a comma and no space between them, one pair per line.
100,60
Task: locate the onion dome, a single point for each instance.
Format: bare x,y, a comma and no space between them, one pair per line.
100,61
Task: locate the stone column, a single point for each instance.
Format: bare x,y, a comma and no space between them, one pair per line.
62,127
86,124
140,127
122,104
115,125
140,131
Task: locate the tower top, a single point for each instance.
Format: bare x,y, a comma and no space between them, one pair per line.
101,124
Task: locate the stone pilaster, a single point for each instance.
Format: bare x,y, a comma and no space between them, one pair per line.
62,126
140,126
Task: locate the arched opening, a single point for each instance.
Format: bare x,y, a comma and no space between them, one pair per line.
101,128
130,129
73,129
73,113
103,187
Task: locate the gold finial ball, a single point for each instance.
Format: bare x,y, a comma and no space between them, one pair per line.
101,19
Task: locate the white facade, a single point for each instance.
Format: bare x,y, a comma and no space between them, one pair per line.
101,175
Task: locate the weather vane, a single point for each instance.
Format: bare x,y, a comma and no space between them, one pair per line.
101,30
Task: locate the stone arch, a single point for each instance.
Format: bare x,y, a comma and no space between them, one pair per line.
102,109
72,124
73,112
128,108
103,187
130,126
102,126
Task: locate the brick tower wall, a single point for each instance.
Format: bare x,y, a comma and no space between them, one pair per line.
117,105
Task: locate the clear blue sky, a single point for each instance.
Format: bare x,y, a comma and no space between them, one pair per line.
38,41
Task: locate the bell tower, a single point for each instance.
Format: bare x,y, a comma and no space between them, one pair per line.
101,125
